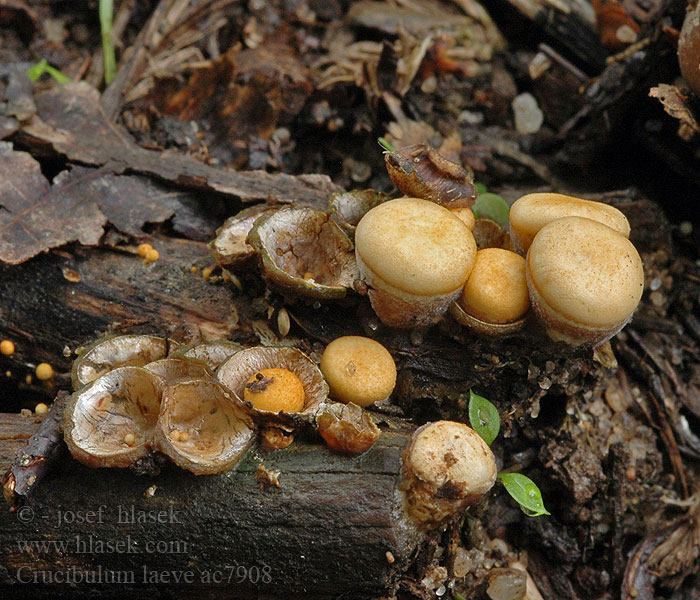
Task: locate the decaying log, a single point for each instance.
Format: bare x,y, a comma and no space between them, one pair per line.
330,526
70,298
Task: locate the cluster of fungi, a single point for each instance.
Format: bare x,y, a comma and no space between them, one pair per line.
566,262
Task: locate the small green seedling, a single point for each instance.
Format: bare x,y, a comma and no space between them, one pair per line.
484,419
491,206
386,145
106,10
37,70
483,416
525,492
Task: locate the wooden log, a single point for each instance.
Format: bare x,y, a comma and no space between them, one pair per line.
66,299
328,528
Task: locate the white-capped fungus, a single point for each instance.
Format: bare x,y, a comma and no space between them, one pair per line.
447,467
533,211
585,280
414,257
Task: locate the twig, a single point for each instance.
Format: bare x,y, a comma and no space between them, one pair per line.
35,460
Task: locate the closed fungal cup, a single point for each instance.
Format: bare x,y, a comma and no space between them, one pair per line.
585,280
415,257
532,212
495,299
447,467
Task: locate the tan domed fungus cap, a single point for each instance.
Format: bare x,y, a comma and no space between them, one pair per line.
496,291
358,370
415,256
585,280
532,212
445,456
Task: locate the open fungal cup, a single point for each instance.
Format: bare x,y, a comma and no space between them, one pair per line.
212,353
447,467
358,370
495,298
304,251
242,369
110,422
532,212
178,367
347,208
275,390
585,280
230,247
415,257
119,351
201,427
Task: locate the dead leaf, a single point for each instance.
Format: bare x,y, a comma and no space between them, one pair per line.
71,121
675,104
34,219
36,216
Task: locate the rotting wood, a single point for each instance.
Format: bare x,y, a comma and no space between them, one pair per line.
292,540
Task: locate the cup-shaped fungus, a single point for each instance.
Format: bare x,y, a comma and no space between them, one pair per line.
495,299
212,353
420,171
358,370
585,280
304,251
201,427
447,467
414,256
178,367
533,211
347,208
110,422
346,428
118,351
230,247
240,373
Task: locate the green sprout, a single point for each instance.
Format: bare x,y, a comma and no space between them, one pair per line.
484,419
37,70
386,145
106,9
483,416
491,206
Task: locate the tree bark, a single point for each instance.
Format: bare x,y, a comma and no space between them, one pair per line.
327,529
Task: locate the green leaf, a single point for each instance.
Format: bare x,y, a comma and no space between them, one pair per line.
484,417
525,492
386,145
480,188
37,70
458,596
491,206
